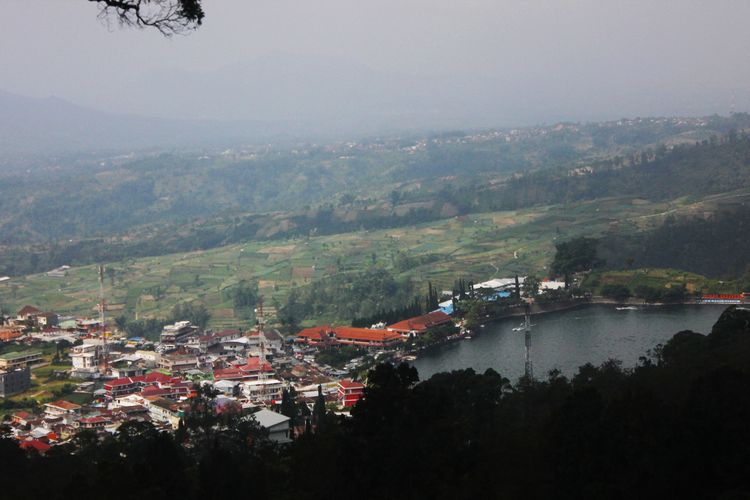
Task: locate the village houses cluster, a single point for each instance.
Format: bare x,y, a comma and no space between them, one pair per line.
113,379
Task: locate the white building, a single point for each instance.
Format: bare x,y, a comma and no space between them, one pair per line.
86,359
178,334
498,284
164,410
263,390
276,424
236,345
226,386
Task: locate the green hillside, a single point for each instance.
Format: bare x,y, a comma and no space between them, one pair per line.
81,210
478,246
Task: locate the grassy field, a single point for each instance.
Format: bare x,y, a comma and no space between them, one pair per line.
479,247
659,278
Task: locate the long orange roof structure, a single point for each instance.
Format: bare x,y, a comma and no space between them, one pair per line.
421,323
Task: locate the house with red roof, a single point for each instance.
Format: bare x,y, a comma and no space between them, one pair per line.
251,370
61,408
97,422
349,392
36,445
154,382
170,392
27,312
420,324
121,386
21,418
157,378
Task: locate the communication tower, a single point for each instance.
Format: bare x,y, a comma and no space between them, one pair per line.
528,369
260,328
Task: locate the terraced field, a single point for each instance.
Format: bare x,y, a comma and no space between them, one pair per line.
476,247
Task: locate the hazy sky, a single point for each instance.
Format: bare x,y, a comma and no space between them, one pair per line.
459,61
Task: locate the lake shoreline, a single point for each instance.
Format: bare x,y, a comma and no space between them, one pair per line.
566,305
588,331
537,309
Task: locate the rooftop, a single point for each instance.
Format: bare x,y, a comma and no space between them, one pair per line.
364,334
27,310
10,356
350,384
316,332
62,404
423,322
268,418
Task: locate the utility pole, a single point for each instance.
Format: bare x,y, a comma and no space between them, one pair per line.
528,370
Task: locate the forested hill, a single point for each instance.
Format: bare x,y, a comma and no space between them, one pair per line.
673,427
712,166
121,207
713,244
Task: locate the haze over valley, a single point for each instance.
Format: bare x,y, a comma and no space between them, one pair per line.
394,249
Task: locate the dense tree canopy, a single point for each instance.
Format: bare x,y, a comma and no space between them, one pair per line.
576,255
711,244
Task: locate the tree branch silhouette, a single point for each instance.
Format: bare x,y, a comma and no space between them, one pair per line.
169,17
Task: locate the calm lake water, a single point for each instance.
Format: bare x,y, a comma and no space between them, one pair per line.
569,339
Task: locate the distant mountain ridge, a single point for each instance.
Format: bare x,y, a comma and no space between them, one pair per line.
52,125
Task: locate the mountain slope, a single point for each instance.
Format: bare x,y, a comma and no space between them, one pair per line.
52,126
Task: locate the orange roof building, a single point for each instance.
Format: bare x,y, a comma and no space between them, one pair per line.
10,334
61,407
365,337
420,324
316,335
325,335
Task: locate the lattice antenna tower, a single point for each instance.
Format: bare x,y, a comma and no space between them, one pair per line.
261,325
528,368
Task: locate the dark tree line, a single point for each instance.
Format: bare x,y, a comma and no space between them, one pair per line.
576,255
345,295
713,245
417,307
